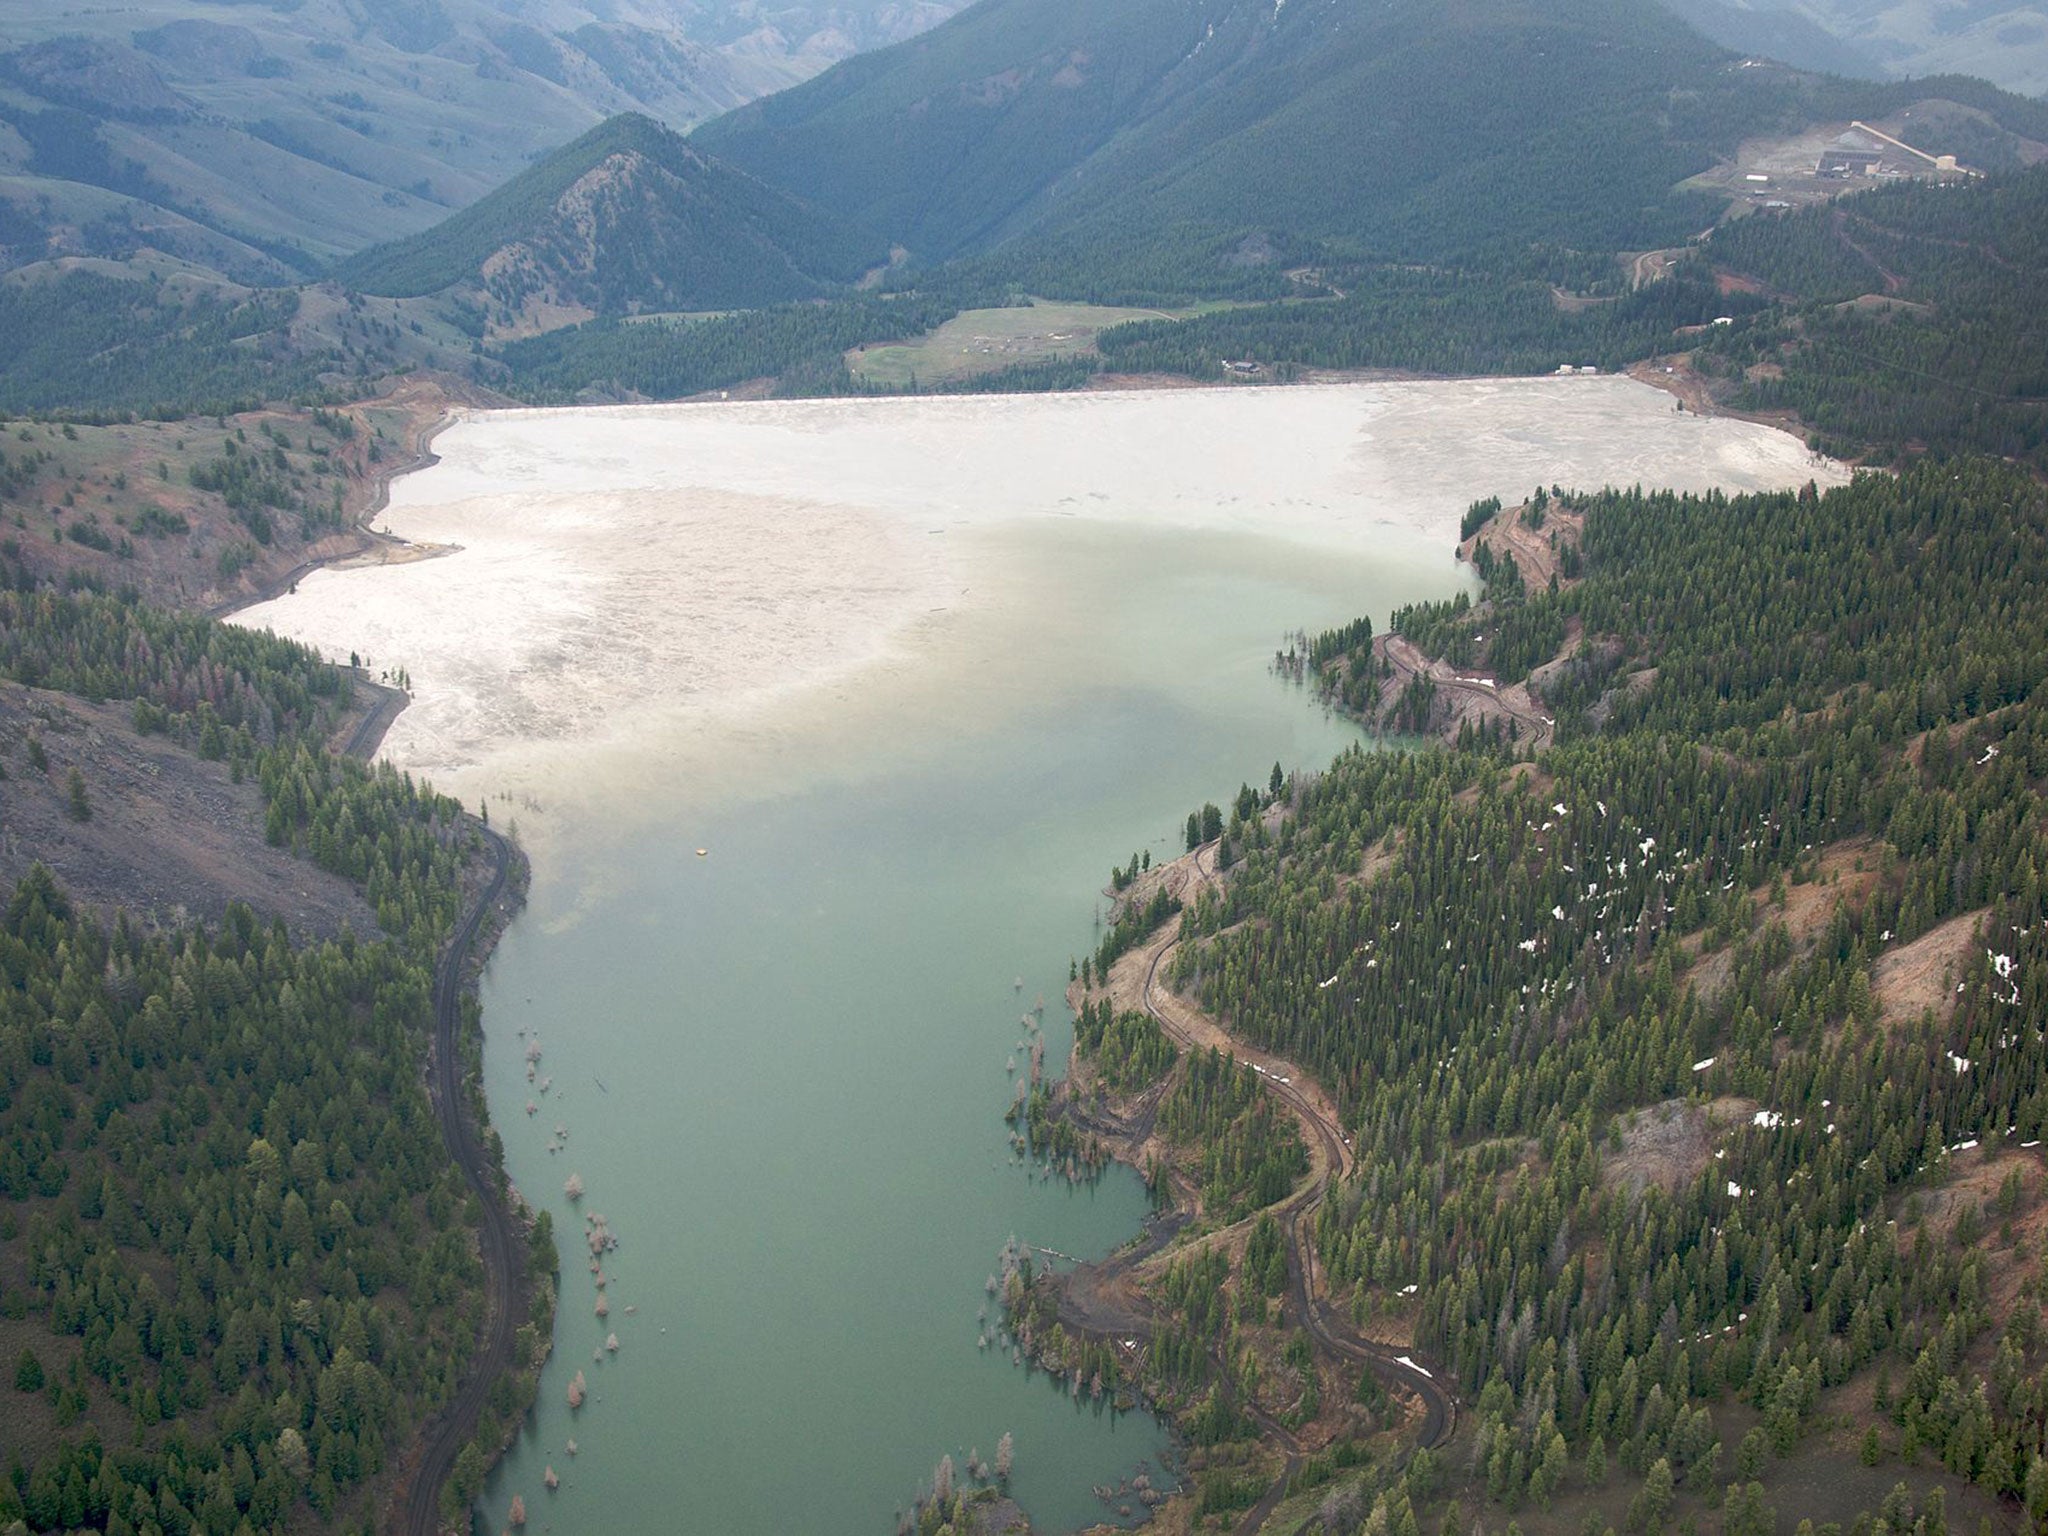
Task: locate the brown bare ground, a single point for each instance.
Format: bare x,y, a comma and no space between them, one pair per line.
2013,1263
1379,858
1709,977
1675,375
1193,1030
1921,975
1541,677
1669,1144
171,838
1810,907
1196,1029
1534,550
1460,699
1974,1177
1916,748
1577,303
116,476
1726,282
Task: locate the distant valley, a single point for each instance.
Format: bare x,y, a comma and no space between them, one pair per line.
1527,189
264,141
2005,43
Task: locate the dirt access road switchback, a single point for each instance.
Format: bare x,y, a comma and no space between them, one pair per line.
1104,1300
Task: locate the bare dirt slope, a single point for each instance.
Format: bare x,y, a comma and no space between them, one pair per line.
1921,975
1463,699
1670,1144
1532,546
143,505
169,837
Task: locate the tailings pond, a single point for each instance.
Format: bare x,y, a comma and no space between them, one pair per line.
824,724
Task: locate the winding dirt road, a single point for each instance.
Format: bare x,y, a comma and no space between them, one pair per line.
1534,729
447,1435
1102,1296
369,731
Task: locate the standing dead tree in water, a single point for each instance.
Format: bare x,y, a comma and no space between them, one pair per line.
1006,1457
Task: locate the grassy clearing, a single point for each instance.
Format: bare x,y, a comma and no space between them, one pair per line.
192,511
977,341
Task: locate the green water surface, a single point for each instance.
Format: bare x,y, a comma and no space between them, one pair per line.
800,1039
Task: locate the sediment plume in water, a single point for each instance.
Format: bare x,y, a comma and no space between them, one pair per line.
637,594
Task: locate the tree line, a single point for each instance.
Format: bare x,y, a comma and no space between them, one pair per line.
235,1259
1667,930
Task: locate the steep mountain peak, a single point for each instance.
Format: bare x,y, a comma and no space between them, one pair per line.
628,218
91,75
1145,140
1029,114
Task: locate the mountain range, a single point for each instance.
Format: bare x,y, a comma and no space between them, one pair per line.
1140,152
264,141
1176,142
1131,149
1888,39
628,217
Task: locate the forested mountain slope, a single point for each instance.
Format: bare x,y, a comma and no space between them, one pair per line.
264,140
628,217
1027,114
235,1259
1885,322
1693,1063
1694,1068
1230,135
1921,316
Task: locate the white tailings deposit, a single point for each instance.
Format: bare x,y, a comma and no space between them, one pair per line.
637,595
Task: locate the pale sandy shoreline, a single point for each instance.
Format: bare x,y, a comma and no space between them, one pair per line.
668,586
1407,449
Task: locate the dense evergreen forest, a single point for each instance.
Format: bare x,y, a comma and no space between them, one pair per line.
1434,321
676,231
87,345
1886,321
1919,313
236,1262
1695,1068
